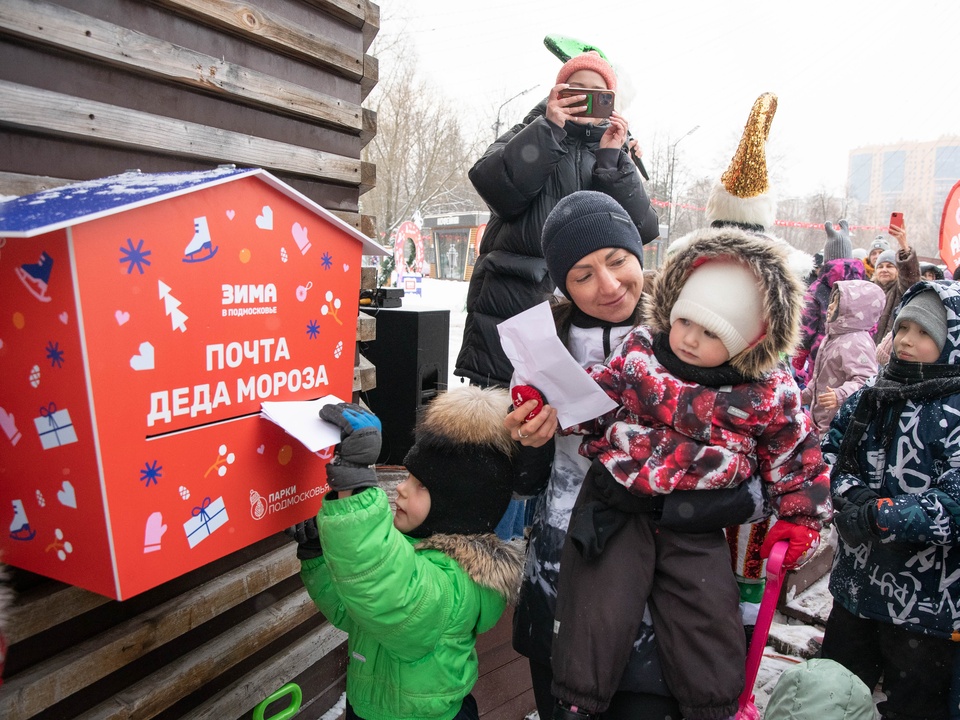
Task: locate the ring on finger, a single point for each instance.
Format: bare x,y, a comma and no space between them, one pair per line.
520,434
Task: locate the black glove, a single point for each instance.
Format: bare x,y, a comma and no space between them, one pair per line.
358,449
857,524
859,495
308,539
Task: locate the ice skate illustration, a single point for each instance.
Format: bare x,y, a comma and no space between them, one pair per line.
35,276
201,247
20,527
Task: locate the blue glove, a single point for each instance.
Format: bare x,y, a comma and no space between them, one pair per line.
358,449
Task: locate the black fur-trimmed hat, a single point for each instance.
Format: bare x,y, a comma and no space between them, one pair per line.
464,456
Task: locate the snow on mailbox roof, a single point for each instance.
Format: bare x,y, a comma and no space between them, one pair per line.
82,202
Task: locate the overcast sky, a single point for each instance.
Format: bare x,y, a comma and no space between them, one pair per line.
847,72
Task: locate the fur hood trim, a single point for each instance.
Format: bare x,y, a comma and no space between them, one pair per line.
467,416
488,560
800,262
780,287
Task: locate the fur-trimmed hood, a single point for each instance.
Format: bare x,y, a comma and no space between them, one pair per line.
780,287
488,560
800,262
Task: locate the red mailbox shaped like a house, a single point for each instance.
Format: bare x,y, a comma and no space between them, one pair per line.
143,319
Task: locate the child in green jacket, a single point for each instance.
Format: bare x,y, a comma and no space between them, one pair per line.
414,589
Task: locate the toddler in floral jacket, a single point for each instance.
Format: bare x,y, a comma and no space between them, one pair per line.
704,402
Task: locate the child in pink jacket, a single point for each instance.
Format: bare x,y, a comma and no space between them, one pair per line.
847,355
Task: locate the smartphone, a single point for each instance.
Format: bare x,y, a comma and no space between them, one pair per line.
896,220
599,102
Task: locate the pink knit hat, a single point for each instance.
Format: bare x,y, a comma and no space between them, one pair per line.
590,60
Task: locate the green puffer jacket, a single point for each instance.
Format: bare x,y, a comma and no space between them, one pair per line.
412,609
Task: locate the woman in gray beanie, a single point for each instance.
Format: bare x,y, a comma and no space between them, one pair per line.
593,253
895,271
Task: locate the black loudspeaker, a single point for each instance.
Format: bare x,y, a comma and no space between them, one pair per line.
410,355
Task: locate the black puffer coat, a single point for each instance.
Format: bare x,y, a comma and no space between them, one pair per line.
521,177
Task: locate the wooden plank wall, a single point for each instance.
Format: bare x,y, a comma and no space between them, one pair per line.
90,89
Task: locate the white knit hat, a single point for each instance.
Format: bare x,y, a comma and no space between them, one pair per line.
724,297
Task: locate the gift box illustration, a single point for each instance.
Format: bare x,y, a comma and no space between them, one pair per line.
54,427
205,518
163,309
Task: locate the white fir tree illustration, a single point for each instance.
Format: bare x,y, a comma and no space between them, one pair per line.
171,307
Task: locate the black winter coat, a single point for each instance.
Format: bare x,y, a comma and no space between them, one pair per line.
521,177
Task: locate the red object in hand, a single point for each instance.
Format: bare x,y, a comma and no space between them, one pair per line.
521,394
803,543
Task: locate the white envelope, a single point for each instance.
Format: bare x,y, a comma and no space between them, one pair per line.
301,419
539,359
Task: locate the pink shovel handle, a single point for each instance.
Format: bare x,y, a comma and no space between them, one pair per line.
768,605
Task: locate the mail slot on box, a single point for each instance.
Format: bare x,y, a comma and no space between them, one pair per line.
143,320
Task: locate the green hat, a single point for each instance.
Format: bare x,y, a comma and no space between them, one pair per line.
821,689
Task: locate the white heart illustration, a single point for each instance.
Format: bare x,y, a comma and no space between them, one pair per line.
260,449
143,361
121,316
231,214
346,268
64,317
67,496
265,218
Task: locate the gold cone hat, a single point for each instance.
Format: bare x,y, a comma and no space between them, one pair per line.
747,175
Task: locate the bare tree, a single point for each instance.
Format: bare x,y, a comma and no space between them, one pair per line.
420,151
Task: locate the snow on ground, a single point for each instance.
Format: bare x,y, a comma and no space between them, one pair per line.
445,295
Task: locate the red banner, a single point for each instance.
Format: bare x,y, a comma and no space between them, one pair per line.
950,229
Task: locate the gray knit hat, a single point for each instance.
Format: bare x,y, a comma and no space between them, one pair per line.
881,242
581,223
838,242
886,256
926,310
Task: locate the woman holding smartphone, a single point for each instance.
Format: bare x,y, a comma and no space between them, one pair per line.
555,151
896,270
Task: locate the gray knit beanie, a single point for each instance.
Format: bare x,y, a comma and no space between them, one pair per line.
838,242
581,223
926,310
886,256
881,242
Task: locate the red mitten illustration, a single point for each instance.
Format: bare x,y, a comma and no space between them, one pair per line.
522,393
